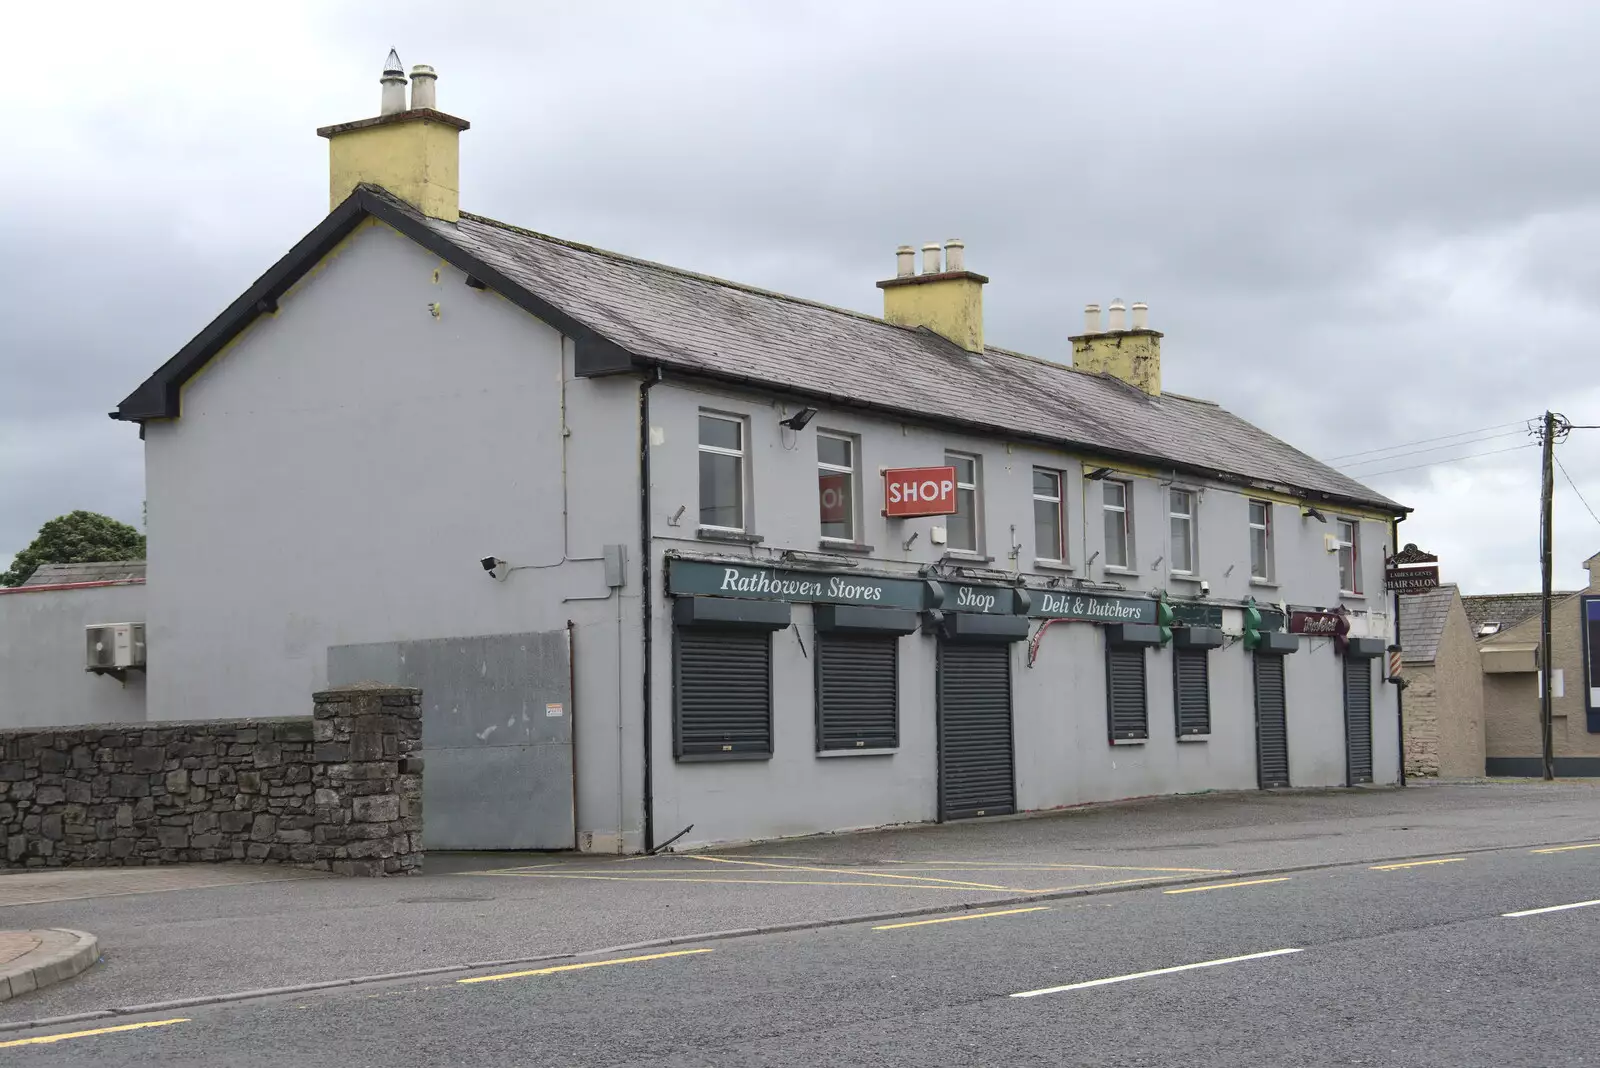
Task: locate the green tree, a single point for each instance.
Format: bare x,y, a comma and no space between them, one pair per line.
76,538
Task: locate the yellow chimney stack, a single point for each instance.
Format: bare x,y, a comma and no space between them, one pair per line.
946,299
413,152
1131,353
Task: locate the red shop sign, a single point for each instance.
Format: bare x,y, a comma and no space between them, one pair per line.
1326,624
914,491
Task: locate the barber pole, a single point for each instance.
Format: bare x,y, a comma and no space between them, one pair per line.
1394,664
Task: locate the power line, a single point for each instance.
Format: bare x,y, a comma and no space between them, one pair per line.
1435,448
1425,441
1575,488
1449,460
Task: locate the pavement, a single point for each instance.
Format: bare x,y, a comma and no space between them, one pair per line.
1475,958
212,941
32,960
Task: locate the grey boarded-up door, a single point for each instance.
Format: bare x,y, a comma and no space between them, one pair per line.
976,761
1358,718
1272,726
496,734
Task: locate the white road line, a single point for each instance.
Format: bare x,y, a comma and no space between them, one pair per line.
1158,971
1550,908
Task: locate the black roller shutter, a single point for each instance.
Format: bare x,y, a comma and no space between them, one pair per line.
857,687
724,692
1358,717
1272,727
1191,679
1126,707
975,742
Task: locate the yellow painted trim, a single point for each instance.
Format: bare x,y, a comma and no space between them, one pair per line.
580,967
1225,886
1414,864
1567,849
958,919
45,1040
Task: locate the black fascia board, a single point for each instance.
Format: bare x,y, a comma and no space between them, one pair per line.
158,396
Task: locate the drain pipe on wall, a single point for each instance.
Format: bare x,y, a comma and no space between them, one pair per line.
1399,687
646,599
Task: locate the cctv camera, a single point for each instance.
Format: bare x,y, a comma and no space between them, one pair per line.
496,567
1205,588
488,563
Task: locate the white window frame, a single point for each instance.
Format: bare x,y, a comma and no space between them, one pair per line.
1265,526
1129,559
976,486
739,454
1059,556
853,471
1354,545
1192,518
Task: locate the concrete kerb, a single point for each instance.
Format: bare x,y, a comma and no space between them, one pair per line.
740,932
34,971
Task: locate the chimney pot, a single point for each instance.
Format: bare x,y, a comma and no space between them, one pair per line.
423,79
1091,318
1119,315
394,86
955,254
905,261
930,258
1141,315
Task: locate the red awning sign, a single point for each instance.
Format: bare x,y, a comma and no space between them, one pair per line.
917,491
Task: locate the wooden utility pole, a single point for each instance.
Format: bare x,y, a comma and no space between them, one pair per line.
1546,493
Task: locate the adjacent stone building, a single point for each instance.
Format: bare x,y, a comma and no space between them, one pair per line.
1509,633
1444,733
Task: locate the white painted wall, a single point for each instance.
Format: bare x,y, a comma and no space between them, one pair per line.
43,651
337,473
1063,755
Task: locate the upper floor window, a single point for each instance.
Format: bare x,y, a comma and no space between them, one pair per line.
1119,523
1180,514
722,441
1261,541
1049,516
963,526
836,485
1349,536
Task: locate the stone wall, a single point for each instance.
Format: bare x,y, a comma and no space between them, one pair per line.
340,790
1422,721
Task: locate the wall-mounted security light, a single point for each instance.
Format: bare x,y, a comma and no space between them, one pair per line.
1098,474
495,567
799,419
1308,512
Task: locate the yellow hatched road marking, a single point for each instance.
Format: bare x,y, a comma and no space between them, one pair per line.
1225,886
1568,849
580,967
719,879
1414,864
44,1040
958,919
852,871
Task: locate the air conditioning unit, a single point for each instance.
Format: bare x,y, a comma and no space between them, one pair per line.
114,648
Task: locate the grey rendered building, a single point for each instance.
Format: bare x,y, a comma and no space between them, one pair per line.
625,526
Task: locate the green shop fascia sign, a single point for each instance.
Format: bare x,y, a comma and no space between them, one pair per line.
1090,607
698,577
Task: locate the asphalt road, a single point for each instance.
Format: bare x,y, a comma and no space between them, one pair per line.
195,942
1414,964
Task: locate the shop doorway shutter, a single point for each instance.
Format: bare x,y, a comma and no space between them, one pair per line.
1358,717
1272,727
975,741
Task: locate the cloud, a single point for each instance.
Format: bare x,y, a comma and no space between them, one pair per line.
1348,237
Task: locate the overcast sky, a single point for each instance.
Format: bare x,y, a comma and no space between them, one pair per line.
1359,224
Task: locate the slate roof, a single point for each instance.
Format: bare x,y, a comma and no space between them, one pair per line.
1422,621
61,574
636,315
1508,609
